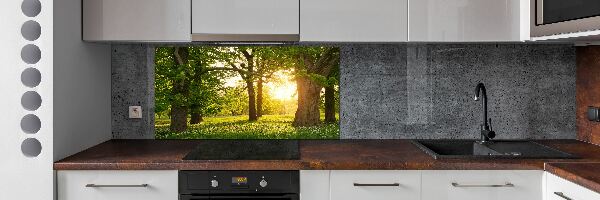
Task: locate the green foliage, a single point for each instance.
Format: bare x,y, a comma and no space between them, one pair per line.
203,85
237,127
235,101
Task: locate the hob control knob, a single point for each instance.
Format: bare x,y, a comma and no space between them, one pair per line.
214,183
263,183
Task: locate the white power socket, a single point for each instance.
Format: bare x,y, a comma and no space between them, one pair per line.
135,112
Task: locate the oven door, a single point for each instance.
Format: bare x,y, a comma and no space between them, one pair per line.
552,17
240,197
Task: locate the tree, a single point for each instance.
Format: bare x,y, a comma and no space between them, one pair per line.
312,69
253,64
185,85
330,93
269,60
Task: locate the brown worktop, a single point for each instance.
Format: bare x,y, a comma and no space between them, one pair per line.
314,154
584,174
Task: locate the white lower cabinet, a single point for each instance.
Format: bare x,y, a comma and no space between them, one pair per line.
482,185
117,185
314,184
375,185
560,189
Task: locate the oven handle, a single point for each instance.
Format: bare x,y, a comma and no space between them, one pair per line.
249,197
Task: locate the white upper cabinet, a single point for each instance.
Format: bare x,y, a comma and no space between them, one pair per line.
353,20
136,20
468,20
245,20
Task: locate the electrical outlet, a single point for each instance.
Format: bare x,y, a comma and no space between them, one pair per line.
135,112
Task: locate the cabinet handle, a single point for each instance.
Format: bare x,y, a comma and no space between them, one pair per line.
560,194
376,184
115,186
492,185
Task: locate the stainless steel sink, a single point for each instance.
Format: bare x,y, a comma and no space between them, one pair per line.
496,149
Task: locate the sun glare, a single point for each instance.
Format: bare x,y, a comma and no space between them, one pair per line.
285,88
284,91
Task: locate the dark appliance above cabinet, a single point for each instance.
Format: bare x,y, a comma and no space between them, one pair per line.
553,17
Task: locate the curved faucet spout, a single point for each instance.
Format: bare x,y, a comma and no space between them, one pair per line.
486,132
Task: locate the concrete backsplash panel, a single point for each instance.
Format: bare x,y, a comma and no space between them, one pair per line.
132,85
426,90
409,90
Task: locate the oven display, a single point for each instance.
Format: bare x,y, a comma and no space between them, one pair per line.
239,180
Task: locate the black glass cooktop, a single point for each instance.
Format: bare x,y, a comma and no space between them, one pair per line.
245,150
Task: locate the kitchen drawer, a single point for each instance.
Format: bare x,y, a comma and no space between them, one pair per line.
117,185
560,189
482,185
375,185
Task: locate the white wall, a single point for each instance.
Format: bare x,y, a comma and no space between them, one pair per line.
82,89
24,177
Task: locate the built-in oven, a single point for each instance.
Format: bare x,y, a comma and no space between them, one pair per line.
237,185
552,17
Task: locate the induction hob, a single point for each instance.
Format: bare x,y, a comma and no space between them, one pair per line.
245,150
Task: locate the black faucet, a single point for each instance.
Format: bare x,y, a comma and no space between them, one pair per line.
486,129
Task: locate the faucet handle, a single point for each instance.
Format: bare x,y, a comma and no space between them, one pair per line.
490,124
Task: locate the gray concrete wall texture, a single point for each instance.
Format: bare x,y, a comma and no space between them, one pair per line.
132,85
426,90
391,91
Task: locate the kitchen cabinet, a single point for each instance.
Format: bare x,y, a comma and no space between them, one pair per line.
117,185
353,20
136,20
482,184
468,20
314,184
245,20
560,189
374,184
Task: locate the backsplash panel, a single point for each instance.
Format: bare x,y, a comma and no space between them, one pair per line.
132,85
412,90
426,90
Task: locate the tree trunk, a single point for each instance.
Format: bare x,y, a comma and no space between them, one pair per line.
178,109
251,101
196,116
178,118
259,97
329,104
307,113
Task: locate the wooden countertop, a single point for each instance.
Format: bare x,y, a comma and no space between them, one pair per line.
331,155
314,154
584,174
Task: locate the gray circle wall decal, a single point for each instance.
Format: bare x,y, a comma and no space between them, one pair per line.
31,77
31,8
31,54
31,100
31,124
31,147
31,30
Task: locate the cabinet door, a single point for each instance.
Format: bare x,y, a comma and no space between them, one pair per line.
468,20
482,184
375,185
560,189
353,20
136,20
245,20
314,185
117,185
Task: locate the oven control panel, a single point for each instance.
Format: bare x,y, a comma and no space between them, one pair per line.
228,182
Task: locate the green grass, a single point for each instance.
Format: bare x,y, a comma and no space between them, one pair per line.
238,127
